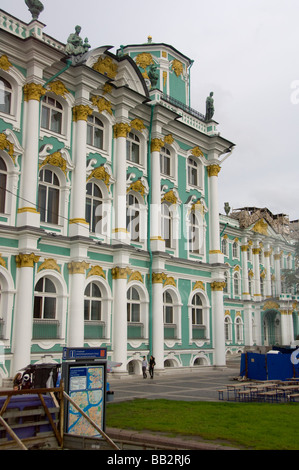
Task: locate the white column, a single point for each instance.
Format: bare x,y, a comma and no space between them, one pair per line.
27,211
78,224
75,337
157,243
277,256
218,323
23,321
215,254
248,326
256,274
120,324
245,283
158,320
287,329
267,255
120,174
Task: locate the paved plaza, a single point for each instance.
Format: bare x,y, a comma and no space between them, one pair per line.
199,385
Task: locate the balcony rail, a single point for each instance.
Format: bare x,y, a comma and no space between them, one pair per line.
183,107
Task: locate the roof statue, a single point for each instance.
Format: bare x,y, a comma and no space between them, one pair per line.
75,45
35,7
153,75
209,107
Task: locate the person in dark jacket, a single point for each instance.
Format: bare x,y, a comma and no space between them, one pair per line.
151,366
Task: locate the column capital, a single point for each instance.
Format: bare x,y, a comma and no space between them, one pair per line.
217,285
26,260
81,112
77,267
121,129
156,145
120,273
158,278
33,91
213,170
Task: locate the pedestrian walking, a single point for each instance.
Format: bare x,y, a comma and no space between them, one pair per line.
144,366
151,366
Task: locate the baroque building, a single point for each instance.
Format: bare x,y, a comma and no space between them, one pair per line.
110,232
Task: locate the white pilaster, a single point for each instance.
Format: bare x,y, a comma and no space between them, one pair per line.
215,255
256,273
218,323
267,255
245,283
120,325
157,243
158,320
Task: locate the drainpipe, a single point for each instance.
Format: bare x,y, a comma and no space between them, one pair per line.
192,62
149,176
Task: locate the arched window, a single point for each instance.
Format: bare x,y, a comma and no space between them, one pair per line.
3,182
95,132
48,196
52,112
197,314
133,217
94,208
133,306
92,302
228,328
239,329
133,148
5,96
165,162
193,172
45,300
235,250
166,221
236,281
194,231
224,246
168,308
226,280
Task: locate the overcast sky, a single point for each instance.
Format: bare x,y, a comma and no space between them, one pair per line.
245,51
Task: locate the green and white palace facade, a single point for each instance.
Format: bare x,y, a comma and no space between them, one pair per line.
110,227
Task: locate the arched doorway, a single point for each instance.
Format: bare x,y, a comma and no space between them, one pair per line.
271,328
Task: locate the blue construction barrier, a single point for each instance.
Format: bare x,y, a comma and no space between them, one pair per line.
272,366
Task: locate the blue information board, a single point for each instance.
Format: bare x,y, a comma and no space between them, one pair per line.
84,353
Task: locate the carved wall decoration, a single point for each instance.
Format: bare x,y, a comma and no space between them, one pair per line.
199,285
137,124
4,63
261,227
96,271
106,66
58,88
144,60
177,67
49,263
6,145
135,276
196,152
55,159
101,174
102,104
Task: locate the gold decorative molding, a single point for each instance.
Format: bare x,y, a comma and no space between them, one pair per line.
5,144
25,260
261,227
81,112
144,59
218,286
158,278
135,276
4,63
58,88
213,170
215,252
169,281
250,273
227,312
49,263
121,129
2,261
156,145
236,268
106,66
256,251
33,91
101,174
96,271
137,124
244,247
199,207
199,285
168,139
77,267
107,88
267,254
196,152
170,197
27,209
120,273
164,77
277,256
270,304
177,67
55,159
78,220
137,186
102,104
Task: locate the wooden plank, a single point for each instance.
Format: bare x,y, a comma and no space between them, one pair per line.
57,435
12,434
